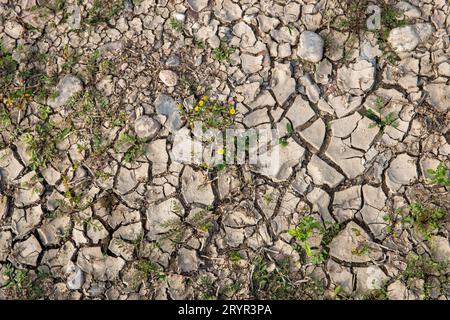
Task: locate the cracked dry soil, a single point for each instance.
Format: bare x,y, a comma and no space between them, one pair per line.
95,94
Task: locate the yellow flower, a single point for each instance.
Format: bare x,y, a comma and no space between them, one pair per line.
232,111
200,103
205,98
180,106
221,151
197,108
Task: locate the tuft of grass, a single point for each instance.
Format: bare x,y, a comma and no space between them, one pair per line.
223,52
354,20
199,44
91,111
440,175
230,290
5,119
18,88
235,256
176,24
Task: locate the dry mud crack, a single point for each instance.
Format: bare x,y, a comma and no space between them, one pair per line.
104,193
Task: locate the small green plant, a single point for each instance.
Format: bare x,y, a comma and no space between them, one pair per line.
5,119
207,288
22,285
235,256
283,141
97,65
70,63
304,231
42,145
176,24
8,67
354,18
71,59
222,53
40,85
330,231
231,289
74,201
135,147
339,293
268,198
19,87
391,218
189,85
73,198
377,294
147,271
103,10
275,284
201,221
199,44
425,268
426,220
56,5
440,176
419,266
213,114
361,250
390,18
271,284
92,224
379,121
175,231
91,111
